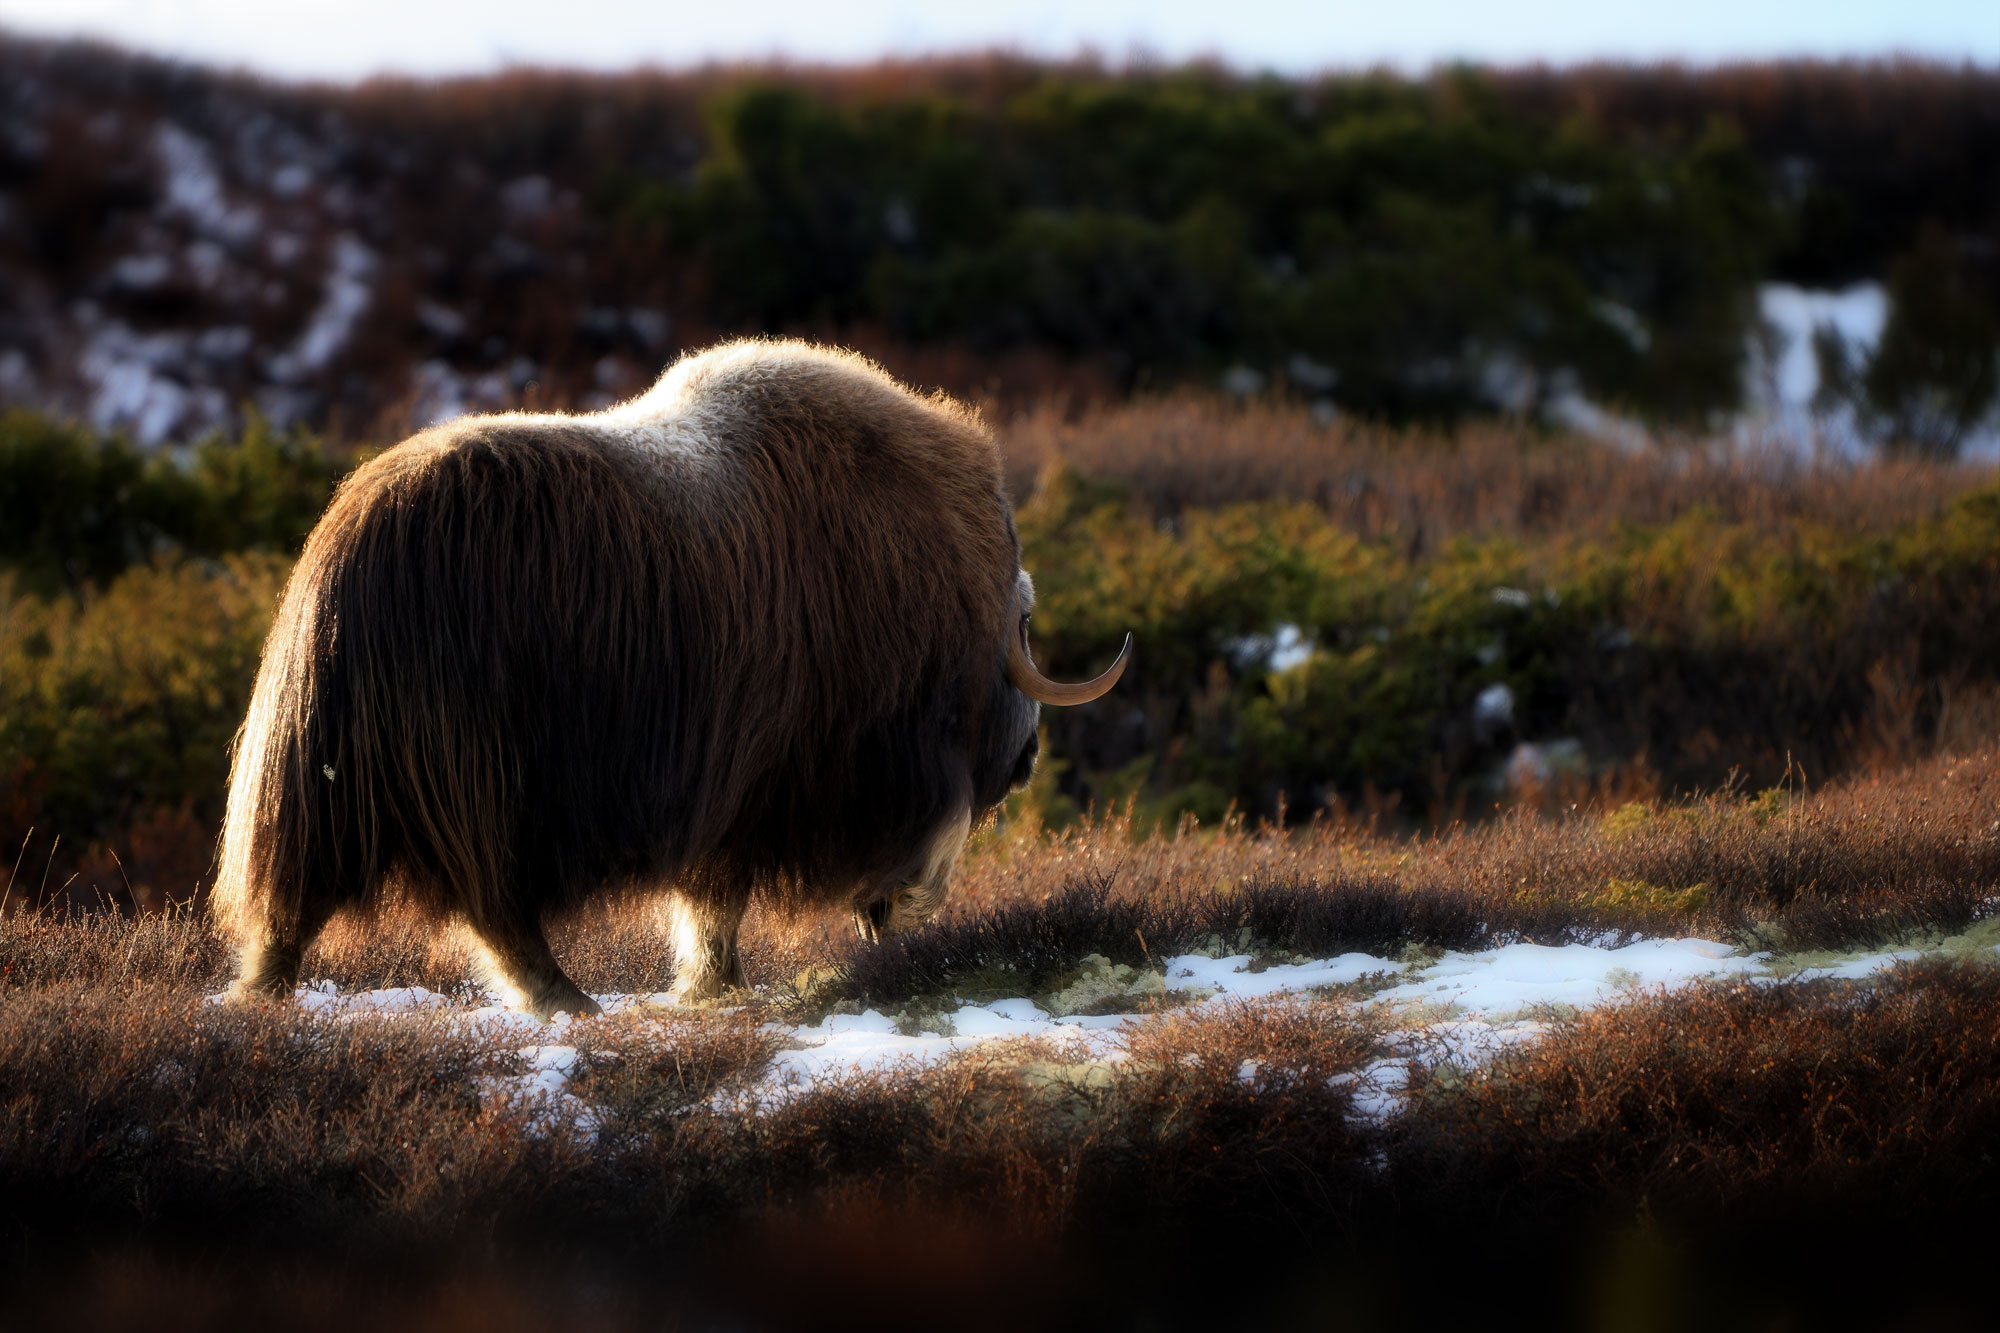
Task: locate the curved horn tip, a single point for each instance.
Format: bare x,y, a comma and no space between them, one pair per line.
1028,680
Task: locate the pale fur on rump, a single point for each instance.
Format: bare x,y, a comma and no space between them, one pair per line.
744,634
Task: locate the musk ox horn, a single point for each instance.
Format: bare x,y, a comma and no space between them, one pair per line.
1021,670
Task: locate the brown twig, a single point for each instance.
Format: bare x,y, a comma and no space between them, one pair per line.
50,865
17,870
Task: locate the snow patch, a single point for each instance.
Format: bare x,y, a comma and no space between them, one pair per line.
194,189
1461,1010
1786,407
845,1044
1627,322
1857,968
1284,648
1856,315
141,273
325,998
440,394
291,180
1535,764
17,376
1493,708
134,385
1517,977
1232,978
344,299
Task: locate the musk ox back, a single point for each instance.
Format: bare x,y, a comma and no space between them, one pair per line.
759,631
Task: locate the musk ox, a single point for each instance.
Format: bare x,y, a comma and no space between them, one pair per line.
761,631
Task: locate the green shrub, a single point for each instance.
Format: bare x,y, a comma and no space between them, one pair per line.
1700,645
77,508
124,700
1385,241
1935,374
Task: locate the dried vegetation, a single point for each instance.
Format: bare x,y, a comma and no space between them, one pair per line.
131,1111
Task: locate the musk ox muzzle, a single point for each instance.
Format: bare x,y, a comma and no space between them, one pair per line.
758,633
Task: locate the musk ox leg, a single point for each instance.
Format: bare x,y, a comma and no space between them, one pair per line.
915,891
706,963
518,964
268,967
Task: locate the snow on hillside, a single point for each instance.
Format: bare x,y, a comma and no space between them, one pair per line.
1784,381
230,247
1855,314
1785,405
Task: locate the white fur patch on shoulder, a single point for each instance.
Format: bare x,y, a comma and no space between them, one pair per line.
1027,586
694,436
689,410
664,419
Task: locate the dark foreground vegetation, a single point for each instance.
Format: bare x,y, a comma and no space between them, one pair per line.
1626,1161
1697,1159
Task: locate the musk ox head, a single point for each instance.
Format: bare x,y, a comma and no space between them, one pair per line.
1005,763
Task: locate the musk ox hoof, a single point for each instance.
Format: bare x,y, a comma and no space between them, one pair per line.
707,968
546,1001
576,1006
259,987
703,992
709,988
871,922
242,993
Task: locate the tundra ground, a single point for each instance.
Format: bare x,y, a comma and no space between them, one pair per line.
1682,1154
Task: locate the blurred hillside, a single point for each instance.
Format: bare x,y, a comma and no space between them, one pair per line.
179,245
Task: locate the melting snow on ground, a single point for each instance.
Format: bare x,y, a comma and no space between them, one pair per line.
1462,1008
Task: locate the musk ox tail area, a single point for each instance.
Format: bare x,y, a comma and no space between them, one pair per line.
292,848
434,709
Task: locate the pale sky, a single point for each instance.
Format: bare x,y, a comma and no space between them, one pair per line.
347,39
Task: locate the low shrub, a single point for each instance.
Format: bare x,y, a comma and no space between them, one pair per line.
1739,1132
117,710
1279,655
78,508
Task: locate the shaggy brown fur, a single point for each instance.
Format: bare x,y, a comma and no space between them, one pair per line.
744,634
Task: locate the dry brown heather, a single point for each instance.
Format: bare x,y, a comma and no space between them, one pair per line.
1845,1089
1196,450
1864,862
137,1122
134,1123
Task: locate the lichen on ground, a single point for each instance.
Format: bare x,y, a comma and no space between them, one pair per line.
1099,981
